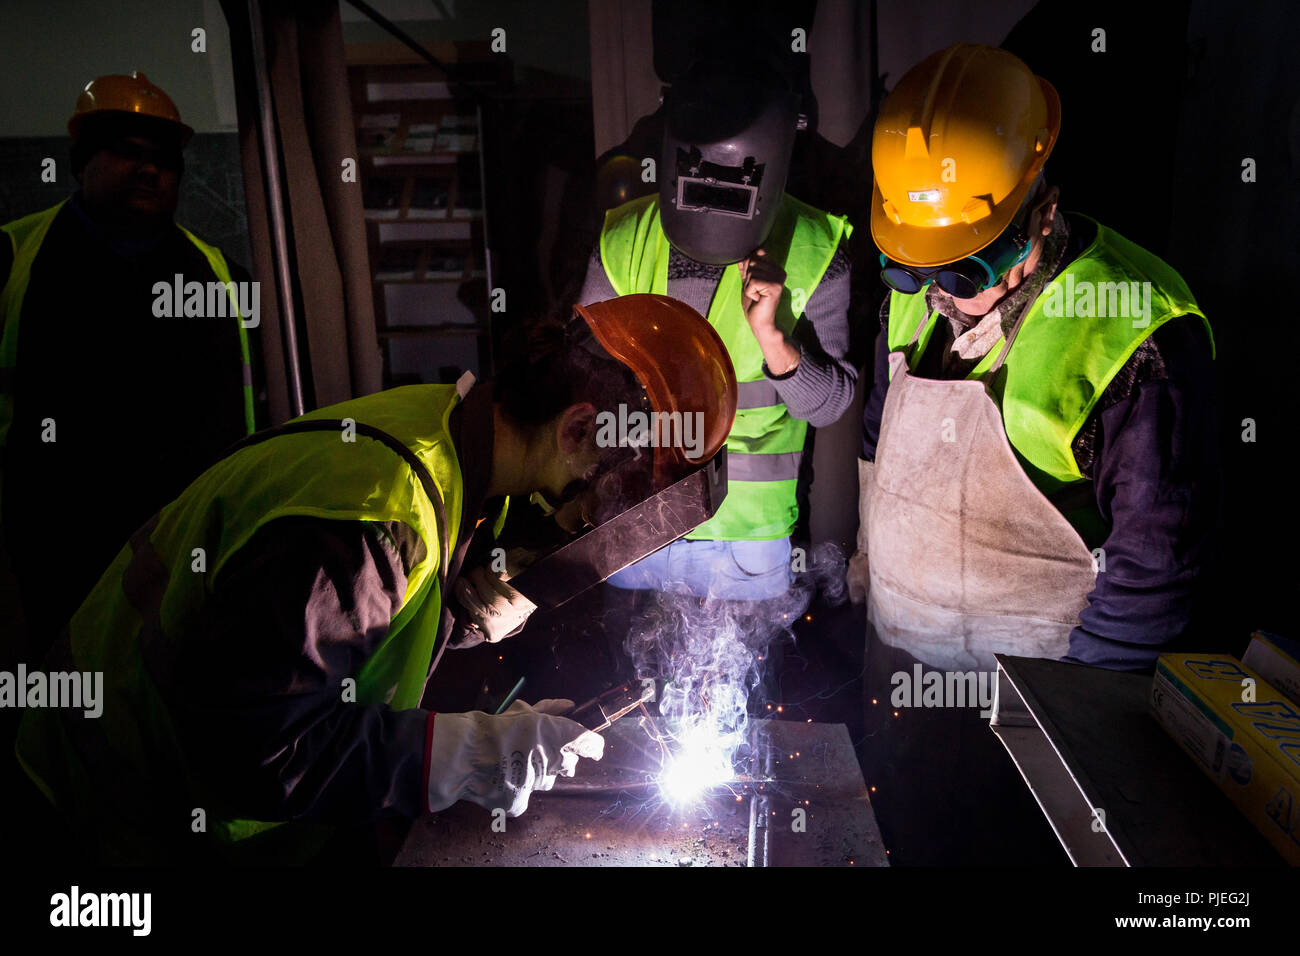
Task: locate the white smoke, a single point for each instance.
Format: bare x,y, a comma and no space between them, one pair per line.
713,655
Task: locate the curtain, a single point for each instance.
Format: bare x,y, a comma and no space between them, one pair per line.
338,348
623,83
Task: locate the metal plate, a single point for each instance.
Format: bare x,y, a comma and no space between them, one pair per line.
612,813
1085,741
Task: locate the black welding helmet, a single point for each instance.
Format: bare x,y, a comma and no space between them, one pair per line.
729,130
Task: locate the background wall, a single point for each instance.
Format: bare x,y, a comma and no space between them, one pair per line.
549,36
65,43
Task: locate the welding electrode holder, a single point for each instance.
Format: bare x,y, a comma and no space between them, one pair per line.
601,711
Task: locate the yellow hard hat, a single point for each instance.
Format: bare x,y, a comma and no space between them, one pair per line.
133,94
956,147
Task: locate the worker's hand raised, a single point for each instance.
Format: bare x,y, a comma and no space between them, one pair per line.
763,281
499,761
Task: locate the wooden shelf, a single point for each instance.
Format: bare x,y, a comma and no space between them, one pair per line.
409,218
385,55
395,101
430,280
446,328
439,159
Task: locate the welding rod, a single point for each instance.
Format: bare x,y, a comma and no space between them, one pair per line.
510,697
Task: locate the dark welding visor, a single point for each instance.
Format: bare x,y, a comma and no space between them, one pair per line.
706,195
711,187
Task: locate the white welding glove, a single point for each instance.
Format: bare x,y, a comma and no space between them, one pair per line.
492,605
858,575
498,761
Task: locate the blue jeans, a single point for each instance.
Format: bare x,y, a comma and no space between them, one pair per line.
727,570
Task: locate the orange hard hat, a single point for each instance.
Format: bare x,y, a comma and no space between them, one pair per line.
956,147
679,359
132,94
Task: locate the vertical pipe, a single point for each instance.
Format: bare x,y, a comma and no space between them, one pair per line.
877,81
275,203
487,241
759,813
760,804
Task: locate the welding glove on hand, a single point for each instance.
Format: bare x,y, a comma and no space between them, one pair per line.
492,605
858,576
498,761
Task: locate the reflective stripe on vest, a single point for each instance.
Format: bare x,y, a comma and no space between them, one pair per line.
217,262
132,625
1064,353
757,394
766,444
26,235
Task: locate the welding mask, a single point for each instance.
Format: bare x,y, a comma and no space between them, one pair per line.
624,471
728,135
671,415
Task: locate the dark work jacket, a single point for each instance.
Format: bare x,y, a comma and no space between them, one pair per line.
296,610
141,406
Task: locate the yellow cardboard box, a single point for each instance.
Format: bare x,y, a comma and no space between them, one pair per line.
1277,660
1243,734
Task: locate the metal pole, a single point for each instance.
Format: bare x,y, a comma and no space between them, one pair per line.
760,803
275,204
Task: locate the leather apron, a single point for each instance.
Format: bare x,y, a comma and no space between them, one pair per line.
967,557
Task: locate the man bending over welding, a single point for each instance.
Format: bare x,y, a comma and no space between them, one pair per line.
265,639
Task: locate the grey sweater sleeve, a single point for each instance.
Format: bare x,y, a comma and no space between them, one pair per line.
596,286
820,389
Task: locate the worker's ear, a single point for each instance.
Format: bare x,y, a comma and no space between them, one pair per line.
1047,209
577,428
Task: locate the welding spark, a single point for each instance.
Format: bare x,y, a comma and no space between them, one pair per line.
702,762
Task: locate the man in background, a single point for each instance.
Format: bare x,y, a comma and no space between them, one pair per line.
111,399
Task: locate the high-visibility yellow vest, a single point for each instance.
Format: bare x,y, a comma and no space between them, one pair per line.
26,236
765,447
398,464
1080,331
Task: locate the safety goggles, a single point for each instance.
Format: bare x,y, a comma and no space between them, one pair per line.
966,278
